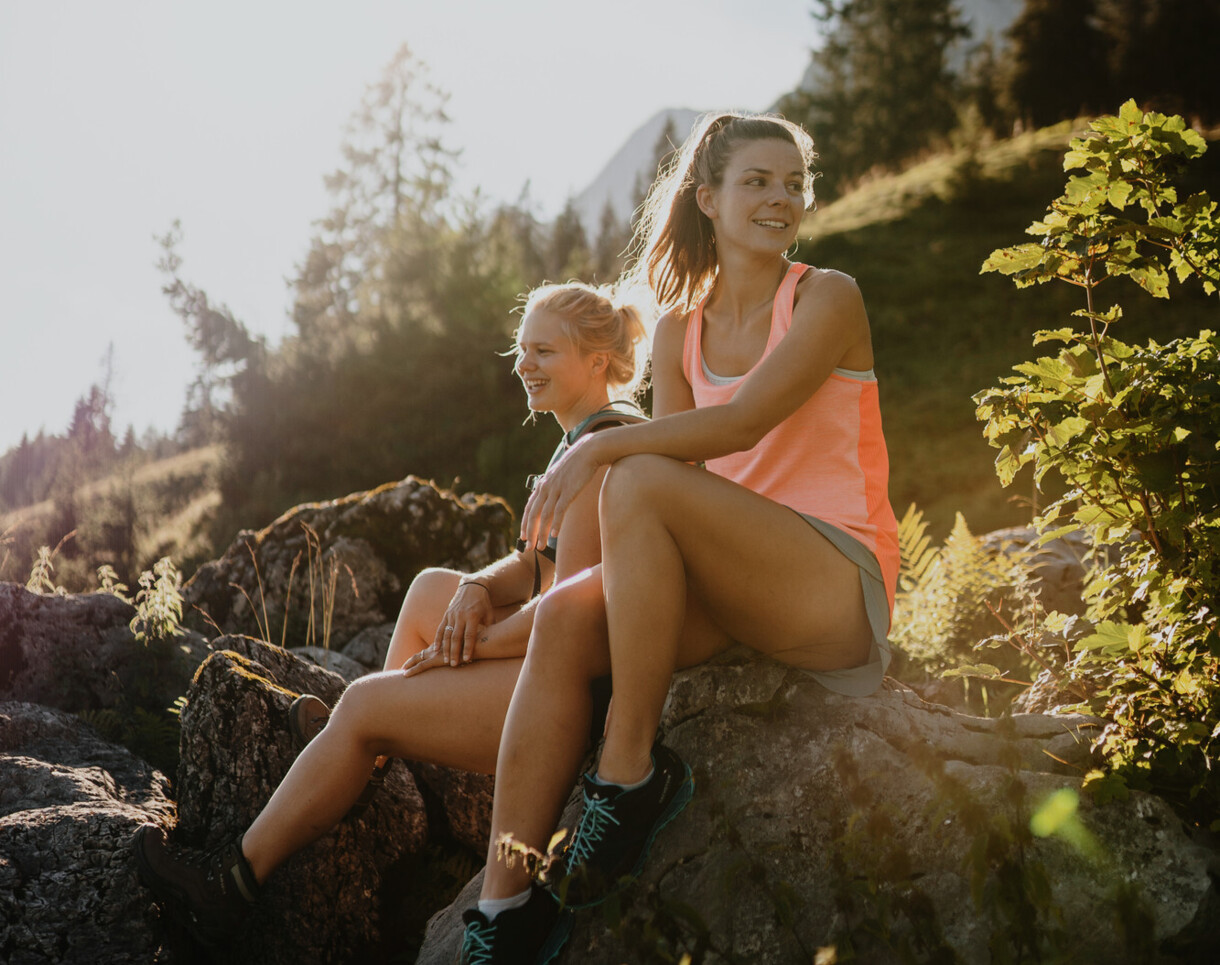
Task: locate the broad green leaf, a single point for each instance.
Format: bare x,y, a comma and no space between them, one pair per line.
1056,335
1119,193
1107,635
1067,430
1008,261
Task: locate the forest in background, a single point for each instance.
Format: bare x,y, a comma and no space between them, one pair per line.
402,305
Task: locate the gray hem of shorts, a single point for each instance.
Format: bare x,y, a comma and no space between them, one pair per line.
865,679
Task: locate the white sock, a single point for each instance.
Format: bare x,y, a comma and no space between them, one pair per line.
598,779
490,907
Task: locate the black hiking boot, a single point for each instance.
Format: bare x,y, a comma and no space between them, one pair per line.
616,830
210,893
530,935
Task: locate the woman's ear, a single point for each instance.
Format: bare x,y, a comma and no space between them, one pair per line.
705,197
601,362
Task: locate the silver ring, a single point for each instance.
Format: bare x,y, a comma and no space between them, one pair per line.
449,629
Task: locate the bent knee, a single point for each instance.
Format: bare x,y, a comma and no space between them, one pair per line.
363,701
432,580
574,607
636,481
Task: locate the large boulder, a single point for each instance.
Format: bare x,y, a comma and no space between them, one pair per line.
78,653
893,830
69,803
323,572
1057,568
323,903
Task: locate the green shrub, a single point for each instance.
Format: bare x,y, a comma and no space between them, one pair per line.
1132,433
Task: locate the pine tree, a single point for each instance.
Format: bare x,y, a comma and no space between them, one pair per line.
1057,62
883,89
567,254
609,250
1163,54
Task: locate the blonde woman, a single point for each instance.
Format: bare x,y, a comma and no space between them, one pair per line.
458,645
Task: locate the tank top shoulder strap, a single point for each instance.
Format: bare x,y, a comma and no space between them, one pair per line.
785,298
781,321
692,345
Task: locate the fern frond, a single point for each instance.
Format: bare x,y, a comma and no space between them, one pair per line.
916,549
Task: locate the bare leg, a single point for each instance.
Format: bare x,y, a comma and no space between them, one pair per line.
422,609
761,573
449,716
546,731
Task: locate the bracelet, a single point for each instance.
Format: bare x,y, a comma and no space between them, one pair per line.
462,583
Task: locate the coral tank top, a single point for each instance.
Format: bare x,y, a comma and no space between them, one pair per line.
828,459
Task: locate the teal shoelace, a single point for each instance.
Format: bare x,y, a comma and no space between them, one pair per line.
598,814
476,946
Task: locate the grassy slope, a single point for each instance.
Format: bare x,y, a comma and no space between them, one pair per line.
172,498
942,331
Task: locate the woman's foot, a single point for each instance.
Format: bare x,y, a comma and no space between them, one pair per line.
530,935
210,893
617,827
306,718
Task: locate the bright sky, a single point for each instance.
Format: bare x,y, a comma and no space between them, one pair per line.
117,117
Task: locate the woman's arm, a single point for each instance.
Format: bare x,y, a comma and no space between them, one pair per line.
508,582
477,634
827,322
670,391
579,550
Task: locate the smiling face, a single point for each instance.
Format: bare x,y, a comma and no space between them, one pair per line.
557,376
760,199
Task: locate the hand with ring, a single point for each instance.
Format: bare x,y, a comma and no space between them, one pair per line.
468,612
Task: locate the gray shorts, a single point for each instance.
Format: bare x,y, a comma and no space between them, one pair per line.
865,679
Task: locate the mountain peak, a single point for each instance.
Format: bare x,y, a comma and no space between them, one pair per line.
616,182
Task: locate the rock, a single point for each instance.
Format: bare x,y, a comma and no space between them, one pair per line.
339,663
369,647
78,653
322,904
892,829
323,572
1058,567
463,802
69,803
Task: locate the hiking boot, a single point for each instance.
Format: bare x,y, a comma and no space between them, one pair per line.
211,893
530,935
617,827
306,718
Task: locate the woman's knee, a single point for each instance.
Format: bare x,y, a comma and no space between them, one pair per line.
635,483
363,705
432,582
569,632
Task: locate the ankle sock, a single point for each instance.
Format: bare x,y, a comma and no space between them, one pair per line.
490,907
598,779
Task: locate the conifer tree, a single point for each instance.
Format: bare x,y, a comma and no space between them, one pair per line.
883,89
1057,62
1163,54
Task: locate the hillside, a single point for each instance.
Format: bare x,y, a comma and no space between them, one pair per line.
941,331
130,519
